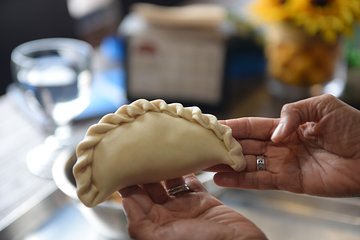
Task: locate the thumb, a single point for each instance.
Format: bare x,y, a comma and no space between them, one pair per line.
295,114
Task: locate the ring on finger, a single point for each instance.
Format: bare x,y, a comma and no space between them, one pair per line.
184,188
260,163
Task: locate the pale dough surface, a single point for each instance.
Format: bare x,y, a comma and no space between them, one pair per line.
148,142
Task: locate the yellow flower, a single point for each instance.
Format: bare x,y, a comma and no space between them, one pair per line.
326,18
329,18
270,10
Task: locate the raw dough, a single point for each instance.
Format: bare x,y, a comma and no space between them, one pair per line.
148,142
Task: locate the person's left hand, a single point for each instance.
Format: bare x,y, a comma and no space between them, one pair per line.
153,214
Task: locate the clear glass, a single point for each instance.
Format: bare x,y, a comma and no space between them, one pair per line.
55,77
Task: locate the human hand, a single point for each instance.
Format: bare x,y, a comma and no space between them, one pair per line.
314,148
153,214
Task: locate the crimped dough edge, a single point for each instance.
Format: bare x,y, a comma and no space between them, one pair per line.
87,191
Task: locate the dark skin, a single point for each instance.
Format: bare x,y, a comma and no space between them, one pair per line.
153,214
314,150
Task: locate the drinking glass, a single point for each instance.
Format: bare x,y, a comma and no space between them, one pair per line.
55,76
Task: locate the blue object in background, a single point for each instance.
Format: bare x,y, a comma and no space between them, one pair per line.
108,94
245,59
113,48
241,66
108,89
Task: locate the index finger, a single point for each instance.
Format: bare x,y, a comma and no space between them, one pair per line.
252,127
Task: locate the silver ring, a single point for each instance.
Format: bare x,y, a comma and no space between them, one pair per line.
260,163
179,189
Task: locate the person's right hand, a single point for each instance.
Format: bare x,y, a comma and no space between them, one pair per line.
314,148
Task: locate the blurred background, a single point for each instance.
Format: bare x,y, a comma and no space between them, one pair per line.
210,53
204,52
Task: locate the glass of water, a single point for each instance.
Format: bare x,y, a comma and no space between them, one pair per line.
55,77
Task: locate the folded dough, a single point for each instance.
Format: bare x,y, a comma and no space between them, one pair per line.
148,142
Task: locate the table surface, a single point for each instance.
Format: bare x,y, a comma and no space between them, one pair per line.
18,136
20,131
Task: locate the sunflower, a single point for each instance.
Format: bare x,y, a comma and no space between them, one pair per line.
328,18
270,10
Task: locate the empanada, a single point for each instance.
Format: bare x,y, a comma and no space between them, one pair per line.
147,142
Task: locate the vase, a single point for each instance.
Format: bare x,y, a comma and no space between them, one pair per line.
300,65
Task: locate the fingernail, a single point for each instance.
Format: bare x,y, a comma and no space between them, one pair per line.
276,136
223,179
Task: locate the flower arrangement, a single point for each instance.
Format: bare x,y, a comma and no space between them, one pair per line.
327,18
303,37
